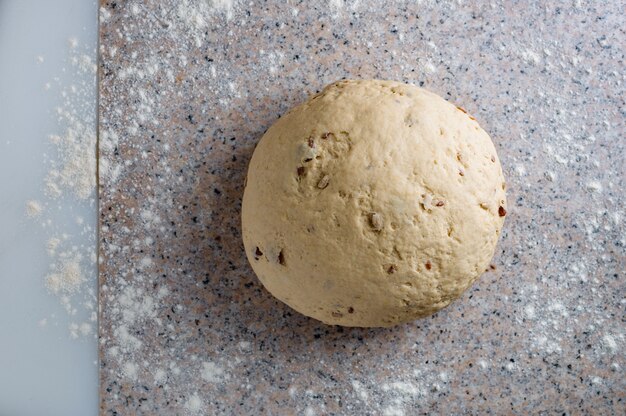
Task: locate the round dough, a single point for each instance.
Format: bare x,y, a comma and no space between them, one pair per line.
372,204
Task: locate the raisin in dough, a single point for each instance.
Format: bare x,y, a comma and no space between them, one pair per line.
372,204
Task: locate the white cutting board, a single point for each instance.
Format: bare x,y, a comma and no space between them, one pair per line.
43,370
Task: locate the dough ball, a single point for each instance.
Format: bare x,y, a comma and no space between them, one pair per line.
372,204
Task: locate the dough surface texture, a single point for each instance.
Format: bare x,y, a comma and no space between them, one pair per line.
372,204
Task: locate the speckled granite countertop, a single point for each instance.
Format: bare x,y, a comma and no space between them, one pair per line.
186,91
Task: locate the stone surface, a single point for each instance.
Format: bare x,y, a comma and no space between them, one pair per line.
188,88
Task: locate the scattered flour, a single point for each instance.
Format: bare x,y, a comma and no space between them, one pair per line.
159,376
530,57
594,186
67,278
360,390
77,330
393,411
33,209
52,245
71,182
194,404
211,372
145,262
130,370
609,343
403,388
335,5
75,171
194,15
